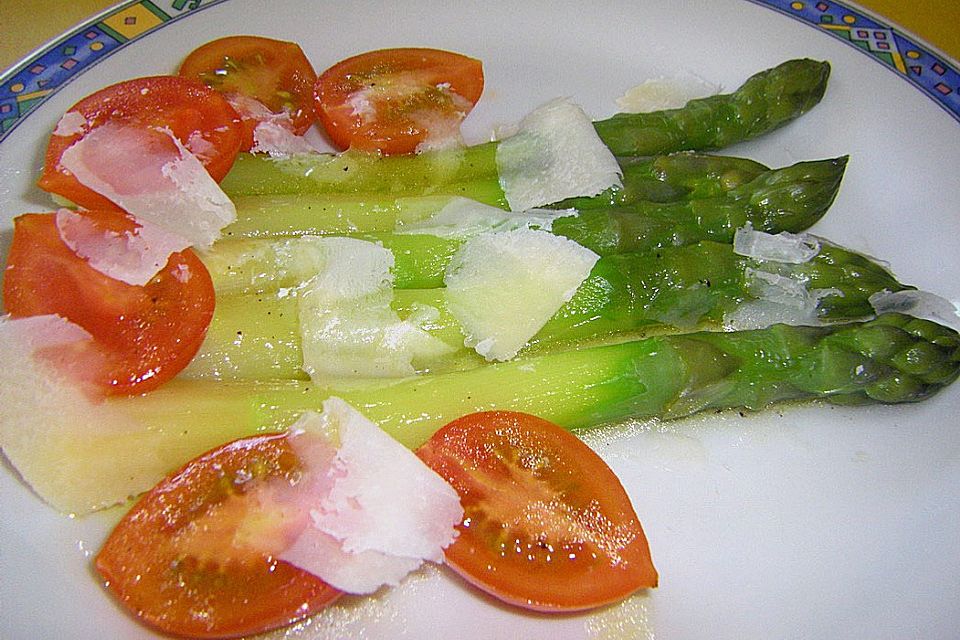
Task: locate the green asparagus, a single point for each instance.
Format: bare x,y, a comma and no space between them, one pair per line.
893,358
764,102
669,290
673,178
469,171
787,199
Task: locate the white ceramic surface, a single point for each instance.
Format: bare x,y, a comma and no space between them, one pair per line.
807,522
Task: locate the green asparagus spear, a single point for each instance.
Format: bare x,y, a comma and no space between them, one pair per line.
671,178
787,199
766,101
679,177
669,290
469,171
891,359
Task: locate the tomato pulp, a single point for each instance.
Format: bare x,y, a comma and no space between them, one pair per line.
547,524
392,100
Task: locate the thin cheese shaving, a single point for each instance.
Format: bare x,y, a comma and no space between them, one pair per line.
782,247
131,257
920,304
555,155
778,299
27,335
377,473
274,132
154,177
659,94
780,295
347,326
503,287
70,124
278,141
42,394
377,512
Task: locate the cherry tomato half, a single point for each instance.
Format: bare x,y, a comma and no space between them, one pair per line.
200,118
393,99
547,525
147,333
173,560
273,72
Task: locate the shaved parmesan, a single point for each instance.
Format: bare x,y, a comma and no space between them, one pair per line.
782,247
443,128
72,123
58,349
154,177
555,155
359,573
74,448
779,299
503,287
920,304
351,268
347,326
249,108
200,146
274,132
659,94
463,218
25,335
383,481
781,296
277,141
131,257
382,511
40,393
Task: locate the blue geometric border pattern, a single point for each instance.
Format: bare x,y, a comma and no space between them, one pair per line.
933,74
27,85
32,81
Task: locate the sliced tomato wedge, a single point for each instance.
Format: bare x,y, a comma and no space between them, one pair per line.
547,526
177,563
392,100
146,334
200,118
273,72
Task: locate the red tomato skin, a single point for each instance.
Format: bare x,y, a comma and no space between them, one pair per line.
147,333
275,72
502,461
186,107
392,131
168,589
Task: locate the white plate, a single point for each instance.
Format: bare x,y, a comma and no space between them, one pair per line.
808,522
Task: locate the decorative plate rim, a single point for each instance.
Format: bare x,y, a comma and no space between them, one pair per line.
31,81
38,76
935,74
